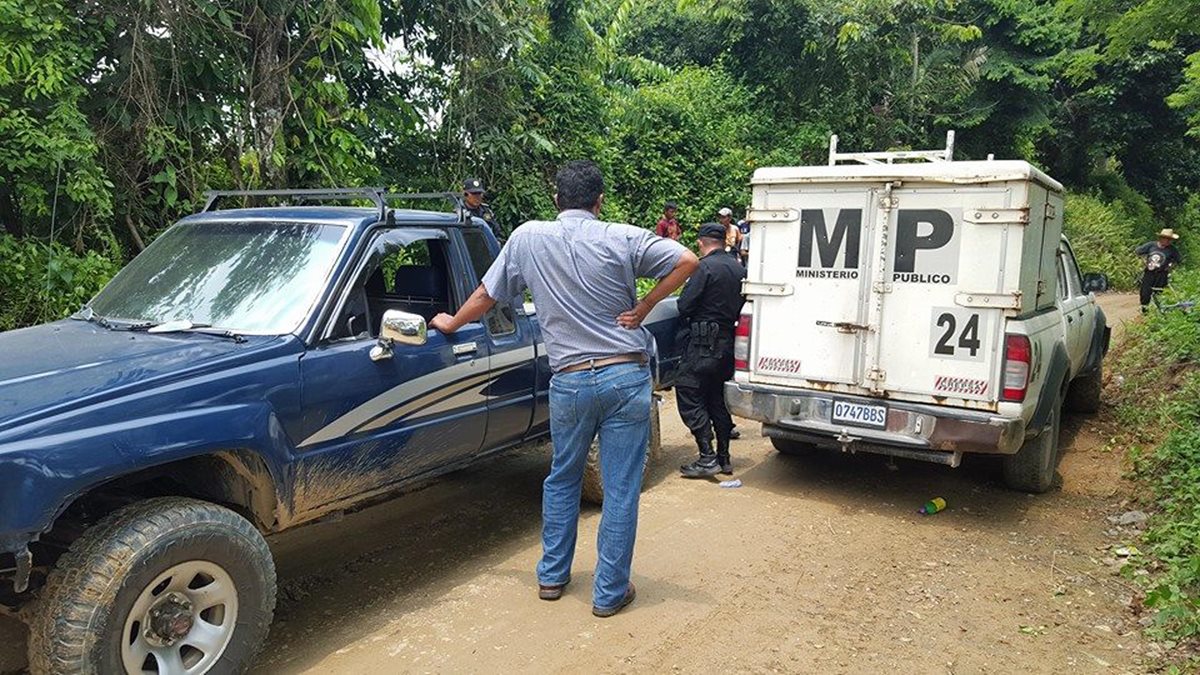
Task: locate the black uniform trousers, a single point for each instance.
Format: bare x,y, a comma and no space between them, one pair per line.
1152,280
704,367
702,407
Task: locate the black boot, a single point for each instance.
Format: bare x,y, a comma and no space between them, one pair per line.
734,434
723,456
704,467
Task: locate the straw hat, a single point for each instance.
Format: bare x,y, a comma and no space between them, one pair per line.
1168,233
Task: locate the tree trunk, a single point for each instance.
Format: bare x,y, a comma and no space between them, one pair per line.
10,213
134,234
268,90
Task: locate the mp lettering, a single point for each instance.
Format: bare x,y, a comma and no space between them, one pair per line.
926,248
842,242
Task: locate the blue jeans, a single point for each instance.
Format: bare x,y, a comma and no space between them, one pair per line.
614,402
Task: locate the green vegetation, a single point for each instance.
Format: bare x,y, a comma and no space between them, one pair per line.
116,116
43,282
1159,399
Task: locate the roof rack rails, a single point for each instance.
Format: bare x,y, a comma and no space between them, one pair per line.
946,155
375,195
378,196
454,198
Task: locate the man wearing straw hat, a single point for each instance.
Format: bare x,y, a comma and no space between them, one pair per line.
1161,257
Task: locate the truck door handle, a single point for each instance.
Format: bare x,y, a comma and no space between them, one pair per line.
465,348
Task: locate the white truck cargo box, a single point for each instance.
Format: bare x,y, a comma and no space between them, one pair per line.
895,280
918,310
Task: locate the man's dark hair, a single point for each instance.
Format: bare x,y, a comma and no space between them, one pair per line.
670,205
579,184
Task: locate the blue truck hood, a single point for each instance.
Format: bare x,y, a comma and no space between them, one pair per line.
63,365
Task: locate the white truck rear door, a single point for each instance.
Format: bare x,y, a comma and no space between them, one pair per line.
809,277
940,304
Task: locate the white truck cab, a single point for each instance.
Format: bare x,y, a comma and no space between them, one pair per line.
921,310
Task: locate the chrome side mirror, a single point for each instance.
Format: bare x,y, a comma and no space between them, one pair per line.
398,327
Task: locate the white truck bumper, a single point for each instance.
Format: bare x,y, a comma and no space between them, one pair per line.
916,431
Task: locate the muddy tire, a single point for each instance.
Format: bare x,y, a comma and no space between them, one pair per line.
1032,468
1083,396
786,446
178,584
593,488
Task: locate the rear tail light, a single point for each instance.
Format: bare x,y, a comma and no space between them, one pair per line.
1018,356
741,343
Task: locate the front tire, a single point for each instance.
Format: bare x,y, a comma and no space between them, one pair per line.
593,487
173,584
1083,396
1032,468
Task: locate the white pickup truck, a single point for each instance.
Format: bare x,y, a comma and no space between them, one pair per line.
921,309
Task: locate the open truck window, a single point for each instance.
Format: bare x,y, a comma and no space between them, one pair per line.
403,270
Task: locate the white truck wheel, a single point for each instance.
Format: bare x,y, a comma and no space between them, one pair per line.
1032,468
1084,394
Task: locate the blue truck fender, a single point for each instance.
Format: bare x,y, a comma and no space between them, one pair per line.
40,477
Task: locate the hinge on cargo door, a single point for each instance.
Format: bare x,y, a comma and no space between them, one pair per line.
881,287
877,377
772,215
996,216
763,288
989,300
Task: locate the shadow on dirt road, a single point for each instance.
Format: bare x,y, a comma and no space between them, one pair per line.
819,563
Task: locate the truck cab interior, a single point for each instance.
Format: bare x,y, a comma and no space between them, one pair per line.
410,275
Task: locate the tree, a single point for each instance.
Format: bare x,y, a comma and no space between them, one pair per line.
47,146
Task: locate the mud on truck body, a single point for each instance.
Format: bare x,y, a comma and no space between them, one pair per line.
253,369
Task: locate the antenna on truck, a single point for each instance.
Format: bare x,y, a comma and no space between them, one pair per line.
946,155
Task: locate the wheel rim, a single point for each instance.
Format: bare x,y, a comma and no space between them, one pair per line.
182,622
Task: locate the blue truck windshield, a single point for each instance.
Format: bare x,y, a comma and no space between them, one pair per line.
250,277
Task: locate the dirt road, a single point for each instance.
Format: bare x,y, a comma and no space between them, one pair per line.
816,564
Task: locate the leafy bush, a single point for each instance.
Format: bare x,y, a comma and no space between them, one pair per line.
1187,223
1161,391
44,282
1103,235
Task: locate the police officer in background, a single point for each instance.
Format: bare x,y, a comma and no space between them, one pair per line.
473,204
708,309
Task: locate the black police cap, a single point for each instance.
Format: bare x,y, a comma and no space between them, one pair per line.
472,185
712,231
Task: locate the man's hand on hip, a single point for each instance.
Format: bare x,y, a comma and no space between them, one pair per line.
634,317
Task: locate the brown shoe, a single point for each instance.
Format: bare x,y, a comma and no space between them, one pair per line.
605,612
551,592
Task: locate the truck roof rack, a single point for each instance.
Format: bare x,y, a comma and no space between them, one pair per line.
945,155
454,198
376,195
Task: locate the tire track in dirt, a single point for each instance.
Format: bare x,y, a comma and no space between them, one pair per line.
818,564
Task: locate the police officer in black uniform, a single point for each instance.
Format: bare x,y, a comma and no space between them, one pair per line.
708,309
473,204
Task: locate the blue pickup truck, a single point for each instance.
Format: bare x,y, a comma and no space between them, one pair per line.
253,369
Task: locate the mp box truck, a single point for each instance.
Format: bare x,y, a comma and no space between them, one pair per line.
911,305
